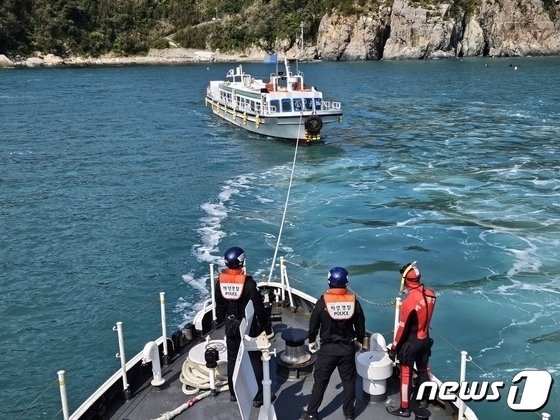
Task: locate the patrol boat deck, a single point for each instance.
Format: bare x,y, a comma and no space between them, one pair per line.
291,383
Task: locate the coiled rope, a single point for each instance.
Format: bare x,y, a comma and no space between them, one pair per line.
196,378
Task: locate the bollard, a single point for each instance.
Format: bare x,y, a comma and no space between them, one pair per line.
211,357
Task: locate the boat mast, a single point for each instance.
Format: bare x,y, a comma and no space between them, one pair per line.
301,39
300,47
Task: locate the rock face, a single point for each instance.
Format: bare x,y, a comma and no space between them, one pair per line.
5,61
406,30
399,29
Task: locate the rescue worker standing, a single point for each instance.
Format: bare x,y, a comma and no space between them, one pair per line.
340,318
412,342
236,289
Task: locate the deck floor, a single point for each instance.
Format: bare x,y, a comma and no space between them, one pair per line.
292,395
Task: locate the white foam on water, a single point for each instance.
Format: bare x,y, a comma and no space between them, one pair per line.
527,260
186,309
196,283
211,234
263,200
497,346
407,222
438,187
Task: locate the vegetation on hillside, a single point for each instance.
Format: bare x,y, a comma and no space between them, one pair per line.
127,27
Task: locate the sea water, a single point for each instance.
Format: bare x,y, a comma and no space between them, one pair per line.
117,184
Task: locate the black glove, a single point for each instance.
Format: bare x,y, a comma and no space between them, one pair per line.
268,329
392,354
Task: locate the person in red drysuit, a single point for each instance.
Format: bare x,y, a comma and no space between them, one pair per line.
412,342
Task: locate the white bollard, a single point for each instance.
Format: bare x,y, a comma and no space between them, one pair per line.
151,354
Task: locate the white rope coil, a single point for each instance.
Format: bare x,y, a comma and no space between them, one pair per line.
196,377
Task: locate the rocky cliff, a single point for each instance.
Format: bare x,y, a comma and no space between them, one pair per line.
399,29
407,30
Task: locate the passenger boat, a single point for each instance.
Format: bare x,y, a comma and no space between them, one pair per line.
283,107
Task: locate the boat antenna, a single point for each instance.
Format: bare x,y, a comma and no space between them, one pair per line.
285,204
300,55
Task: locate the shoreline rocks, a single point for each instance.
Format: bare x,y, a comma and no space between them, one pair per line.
169,56
400,31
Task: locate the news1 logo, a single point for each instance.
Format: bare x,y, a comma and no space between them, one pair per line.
529,391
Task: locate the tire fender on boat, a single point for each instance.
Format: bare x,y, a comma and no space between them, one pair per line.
313,124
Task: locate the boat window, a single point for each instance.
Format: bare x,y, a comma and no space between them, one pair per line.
297,104
286,105
274,105
318,103
308,102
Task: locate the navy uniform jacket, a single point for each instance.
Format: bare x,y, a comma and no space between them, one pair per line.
236,308
337,337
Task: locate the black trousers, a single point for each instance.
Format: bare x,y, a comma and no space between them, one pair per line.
233,343
324,367
413,352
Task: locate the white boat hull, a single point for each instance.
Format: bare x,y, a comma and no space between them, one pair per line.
291,127
284,107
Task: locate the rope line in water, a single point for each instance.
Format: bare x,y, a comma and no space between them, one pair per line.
285,204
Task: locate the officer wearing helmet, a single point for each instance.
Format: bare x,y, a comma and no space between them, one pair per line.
339,321
235,290
412,342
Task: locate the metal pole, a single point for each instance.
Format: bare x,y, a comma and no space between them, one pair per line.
119,330
267,410
462,378
282,278
398,303
213,290
63,397
267,392
163,326
288,287
213,381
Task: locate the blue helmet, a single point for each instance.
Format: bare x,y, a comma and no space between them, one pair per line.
235,257
338,277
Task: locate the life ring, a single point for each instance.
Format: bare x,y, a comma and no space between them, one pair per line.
313,124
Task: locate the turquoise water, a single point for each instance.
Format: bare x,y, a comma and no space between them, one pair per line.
117,184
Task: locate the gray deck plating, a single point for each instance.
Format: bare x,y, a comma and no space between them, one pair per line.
292,395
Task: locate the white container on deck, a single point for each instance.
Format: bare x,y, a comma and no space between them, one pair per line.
375,367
